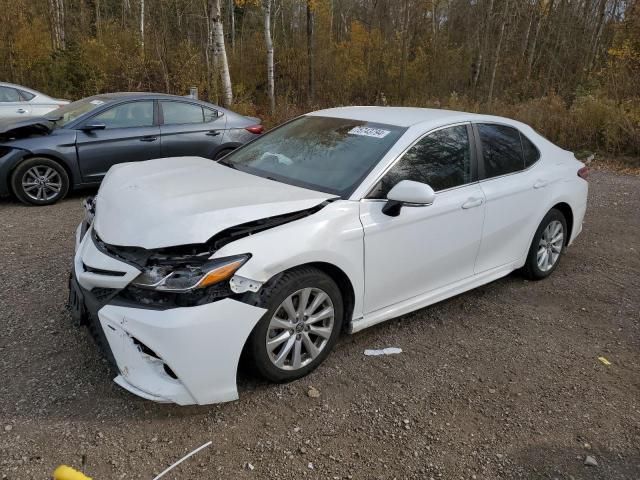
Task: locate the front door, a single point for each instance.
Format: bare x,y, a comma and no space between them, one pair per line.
425,247
190,129
130,135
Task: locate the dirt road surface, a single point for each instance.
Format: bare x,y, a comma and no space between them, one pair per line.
501,382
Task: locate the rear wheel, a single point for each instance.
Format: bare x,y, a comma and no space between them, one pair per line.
40,181
547,246
301,326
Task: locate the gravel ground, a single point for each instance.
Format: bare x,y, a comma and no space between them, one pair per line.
501,382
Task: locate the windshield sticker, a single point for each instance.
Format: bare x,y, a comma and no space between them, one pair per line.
96,102
369,132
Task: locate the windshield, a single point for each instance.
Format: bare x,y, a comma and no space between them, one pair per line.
331,155
68,113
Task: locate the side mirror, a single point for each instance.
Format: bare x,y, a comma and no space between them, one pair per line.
408,192
91,126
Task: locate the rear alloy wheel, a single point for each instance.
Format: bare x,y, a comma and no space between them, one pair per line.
547,246
40,181
301,325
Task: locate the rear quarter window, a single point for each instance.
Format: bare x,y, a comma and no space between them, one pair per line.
530,151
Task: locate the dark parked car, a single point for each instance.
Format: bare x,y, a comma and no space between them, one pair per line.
42,158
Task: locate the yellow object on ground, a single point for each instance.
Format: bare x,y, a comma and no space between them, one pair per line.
604,360
67,473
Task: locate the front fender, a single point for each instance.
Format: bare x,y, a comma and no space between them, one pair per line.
332,235
7,164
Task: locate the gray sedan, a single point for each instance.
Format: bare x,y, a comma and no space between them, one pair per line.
41,159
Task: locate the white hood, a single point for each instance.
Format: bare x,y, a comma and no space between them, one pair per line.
185,200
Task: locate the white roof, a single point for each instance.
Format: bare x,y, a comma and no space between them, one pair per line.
406,116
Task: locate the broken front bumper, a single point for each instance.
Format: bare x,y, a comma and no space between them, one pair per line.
185,355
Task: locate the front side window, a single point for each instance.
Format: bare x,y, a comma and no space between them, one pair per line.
442,160
8,94
128,115
501,149
179,113
328,154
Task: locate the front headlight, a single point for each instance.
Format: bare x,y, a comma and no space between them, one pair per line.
166,278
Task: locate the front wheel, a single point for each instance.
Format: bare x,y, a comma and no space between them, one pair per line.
40,181
301,326
547,246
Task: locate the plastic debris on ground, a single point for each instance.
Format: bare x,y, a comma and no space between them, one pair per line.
384,351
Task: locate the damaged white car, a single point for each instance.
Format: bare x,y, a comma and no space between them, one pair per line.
335,221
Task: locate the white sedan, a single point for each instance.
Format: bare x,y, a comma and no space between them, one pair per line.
335,221
17,101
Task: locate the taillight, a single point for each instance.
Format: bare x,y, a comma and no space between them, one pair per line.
583,173
257,129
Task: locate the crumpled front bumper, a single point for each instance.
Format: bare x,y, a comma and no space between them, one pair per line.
185,355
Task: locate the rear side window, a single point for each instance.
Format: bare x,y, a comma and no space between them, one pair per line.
442,160
531,153
26,96
179,113
501,149
8,94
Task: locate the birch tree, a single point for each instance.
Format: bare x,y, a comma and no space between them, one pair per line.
220,53
266,7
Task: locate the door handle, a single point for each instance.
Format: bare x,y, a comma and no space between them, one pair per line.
213,133
540,184
21,110
472,202
148,138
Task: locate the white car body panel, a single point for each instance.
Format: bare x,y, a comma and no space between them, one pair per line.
186,200
436,244
469,236
39,105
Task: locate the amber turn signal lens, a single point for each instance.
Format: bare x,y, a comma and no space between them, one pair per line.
221,273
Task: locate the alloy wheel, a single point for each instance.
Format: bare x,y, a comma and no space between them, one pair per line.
41,183
300,328
550,246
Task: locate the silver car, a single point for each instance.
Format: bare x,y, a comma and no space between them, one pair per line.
19,101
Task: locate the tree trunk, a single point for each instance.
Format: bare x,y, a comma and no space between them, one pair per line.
142,25
220,53
266,5
56,10
496,61
310,52
232,23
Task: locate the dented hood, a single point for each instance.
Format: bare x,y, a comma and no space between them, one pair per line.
24,127
187,200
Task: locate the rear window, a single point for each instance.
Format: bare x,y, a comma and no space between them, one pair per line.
8,94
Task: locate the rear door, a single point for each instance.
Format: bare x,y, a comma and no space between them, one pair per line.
514,185
12,104
189,129
131,134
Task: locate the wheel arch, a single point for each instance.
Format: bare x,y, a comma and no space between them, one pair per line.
53,158
566,210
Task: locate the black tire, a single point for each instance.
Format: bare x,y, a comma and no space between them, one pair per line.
271,297
43,165
222,153
531,269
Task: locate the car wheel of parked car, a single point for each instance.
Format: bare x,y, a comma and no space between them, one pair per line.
302,323
547,246
39,181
